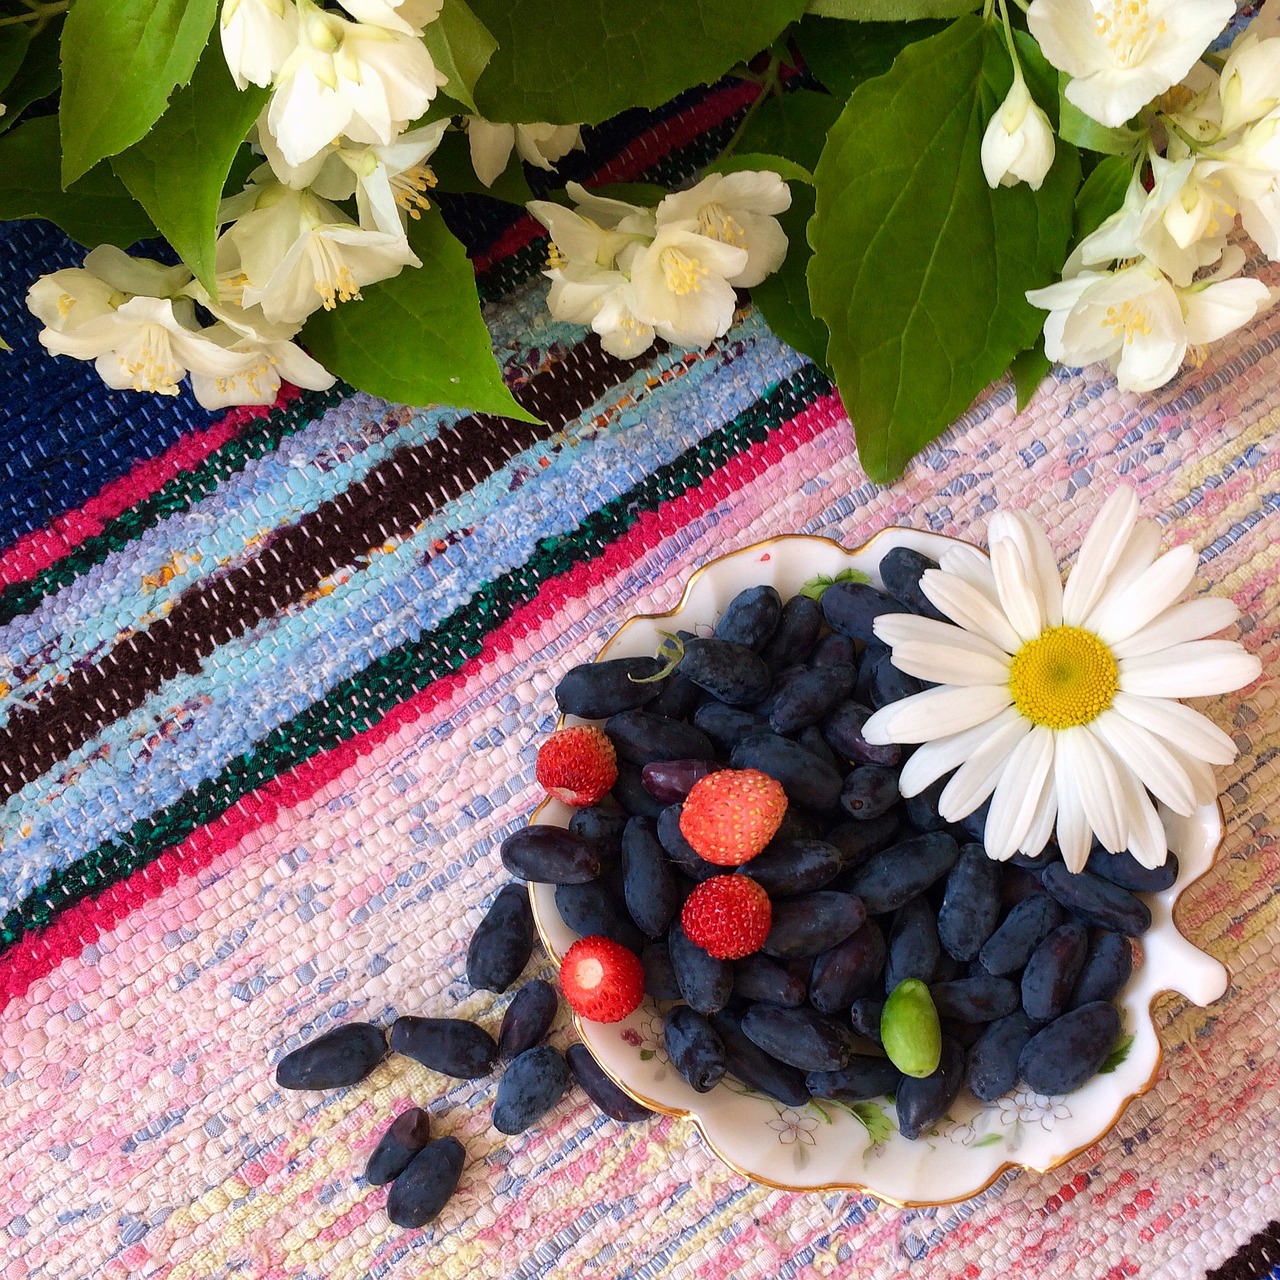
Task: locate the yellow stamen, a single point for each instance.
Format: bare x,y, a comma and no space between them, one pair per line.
1127,30
410,187
1129,320
1066,676
714,221
683,273
65,303
555,256
342,288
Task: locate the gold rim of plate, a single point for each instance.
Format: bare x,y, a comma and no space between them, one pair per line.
681,1113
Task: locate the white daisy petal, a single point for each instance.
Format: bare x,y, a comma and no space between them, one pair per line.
1099,552
899,628
1138,556
1041,827
929,762
970,607
1148,841
1195,669
976,779
1120,614
1037,555
972,565
1152,762
1178,724
1017,592
1018,793
1191,620
1074,836
1204,786
949,664
1100,793
936,713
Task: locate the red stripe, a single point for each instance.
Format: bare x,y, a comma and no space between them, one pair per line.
640,154
39,953
36,551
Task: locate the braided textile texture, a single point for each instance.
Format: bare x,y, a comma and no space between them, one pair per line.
271,685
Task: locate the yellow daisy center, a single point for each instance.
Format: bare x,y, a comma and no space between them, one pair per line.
1064,677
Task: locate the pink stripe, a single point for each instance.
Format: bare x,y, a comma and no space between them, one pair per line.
638,156
38,953
36,551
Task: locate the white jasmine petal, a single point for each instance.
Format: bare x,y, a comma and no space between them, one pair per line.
681,283
737,209
1122,53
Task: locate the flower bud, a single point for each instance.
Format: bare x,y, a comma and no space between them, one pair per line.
1018,144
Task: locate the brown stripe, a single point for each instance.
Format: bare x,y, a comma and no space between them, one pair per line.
394,497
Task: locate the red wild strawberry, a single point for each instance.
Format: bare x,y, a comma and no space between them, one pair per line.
728,916
729,816
601,979
577,765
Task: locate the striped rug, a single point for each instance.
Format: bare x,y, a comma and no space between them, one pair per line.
271,684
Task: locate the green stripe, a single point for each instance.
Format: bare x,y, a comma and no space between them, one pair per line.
179,494
362,700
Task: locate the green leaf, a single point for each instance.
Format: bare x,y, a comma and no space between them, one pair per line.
4,346
891,10
786,169
815,587
783,297
451,163
1117,1055
461,46
13,48
919,268
794,125
96,209
989,1140
583,62
121,59
178,171
37,77
419,338
646,1055
873,1119
844,54
1028,371
1086,132
1102,193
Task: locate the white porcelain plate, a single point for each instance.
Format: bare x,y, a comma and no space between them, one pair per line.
826,1145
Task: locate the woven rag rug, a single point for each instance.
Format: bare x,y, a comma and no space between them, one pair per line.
271,683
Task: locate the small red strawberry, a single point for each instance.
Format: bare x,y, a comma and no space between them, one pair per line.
577,765
728,916
729,816
601,979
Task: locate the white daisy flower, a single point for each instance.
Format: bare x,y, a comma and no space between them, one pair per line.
1060,703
